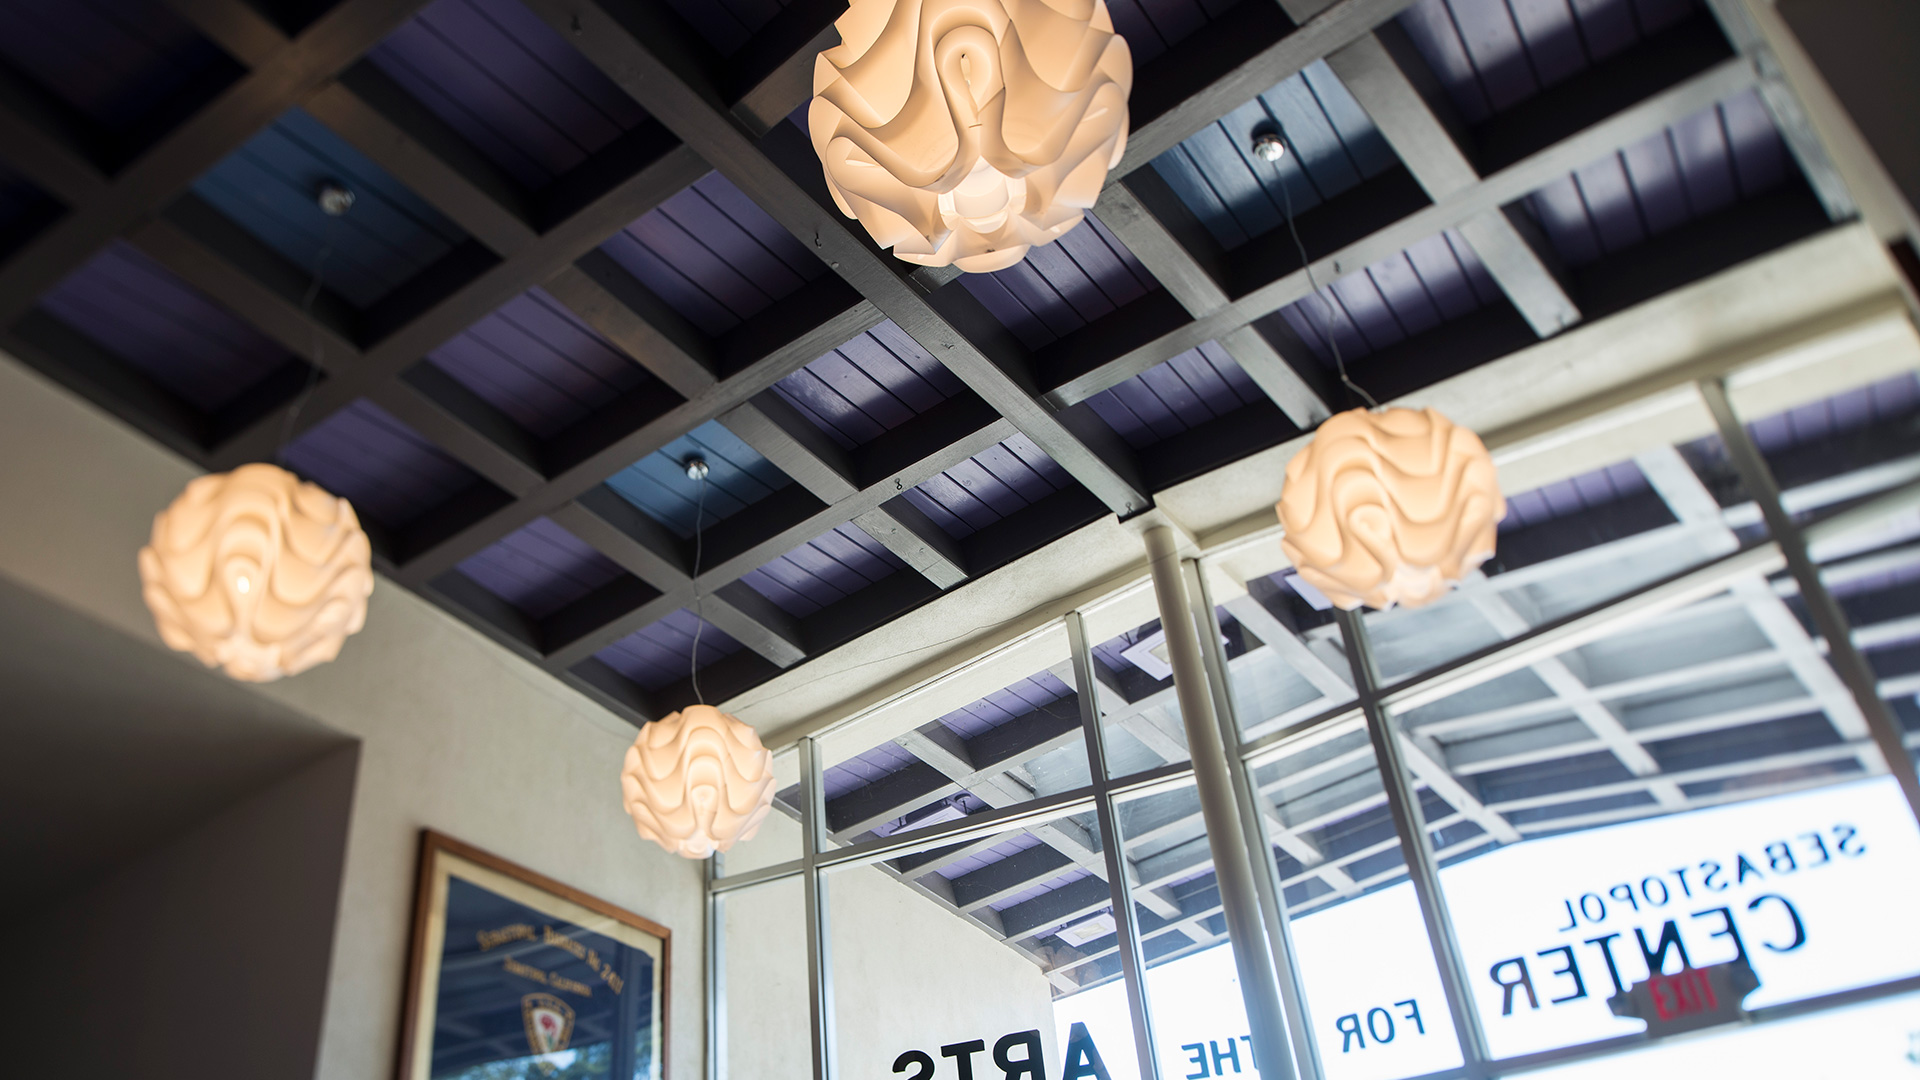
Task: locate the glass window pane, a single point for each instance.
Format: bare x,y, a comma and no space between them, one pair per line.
1577,542
1831,453
767,1030
1686,790
950,959
1283,653
1139,710
778,838
1005,730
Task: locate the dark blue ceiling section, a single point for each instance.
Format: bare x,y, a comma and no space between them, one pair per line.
1005,849
540,569
824,571
1878,403
1705,163
1007,705
139,311
869,386
1438,280
737,478
1491,55
714,255
269,186
1573,496
989,486
1151,27
1189,390
857,772
662,654
24,211
116,63
390,473
536,362
1060,287
727,24
508,84
1332,146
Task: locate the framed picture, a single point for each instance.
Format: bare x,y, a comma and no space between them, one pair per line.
515,976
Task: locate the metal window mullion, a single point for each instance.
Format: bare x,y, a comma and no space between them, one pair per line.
813,835
1293,993
1416,848
1126,919
716,971
1827,615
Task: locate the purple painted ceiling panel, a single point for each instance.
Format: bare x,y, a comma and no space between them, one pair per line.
1493,54
659,655
823,571
737,478
540,569
857,772
539,364
714,255
388,471
114,61
1035,891
868,386
1197,386
1060,287
989,486
1434,281
727,24
509,85
1707,162
1565,498
1006,705
138,310
1878,403
1002,850
1153,26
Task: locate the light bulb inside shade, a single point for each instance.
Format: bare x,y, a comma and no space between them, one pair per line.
964,132
243,585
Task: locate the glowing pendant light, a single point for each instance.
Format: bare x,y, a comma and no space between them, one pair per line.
257,573
1390,508
697,781
964,132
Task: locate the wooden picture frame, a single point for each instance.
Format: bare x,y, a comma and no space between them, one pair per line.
545,976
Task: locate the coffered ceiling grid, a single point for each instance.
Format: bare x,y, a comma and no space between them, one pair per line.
526,235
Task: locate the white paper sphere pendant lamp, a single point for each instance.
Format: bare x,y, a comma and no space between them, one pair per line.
964,132
1390,507
257,573
697,781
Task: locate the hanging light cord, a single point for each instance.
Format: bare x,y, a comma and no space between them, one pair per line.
1286,194
699,623
319,345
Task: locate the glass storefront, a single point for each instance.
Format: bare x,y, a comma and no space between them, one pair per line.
1617,788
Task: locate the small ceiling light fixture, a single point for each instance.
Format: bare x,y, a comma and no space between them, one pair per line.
257,573
697,781
334,199
1388,508
1268,146
964,132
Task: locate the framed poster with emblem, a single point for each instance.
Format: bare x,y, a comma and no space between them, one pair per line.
515,976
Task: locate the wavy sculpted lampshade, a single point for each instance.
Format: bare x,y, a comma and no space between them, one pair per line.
967,131
257,573
1390,508
697,781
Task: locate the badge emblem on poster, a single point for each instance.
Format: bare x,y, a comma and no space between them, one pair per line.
549,1025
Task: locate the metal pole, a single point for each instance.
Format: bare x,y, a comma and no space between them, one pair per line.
1273,909
813,831
1825,611
1232,868
716,972
1415,848
1126,918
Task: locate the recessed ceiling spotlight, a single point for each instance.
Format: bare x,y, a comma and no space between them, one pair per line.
1268,146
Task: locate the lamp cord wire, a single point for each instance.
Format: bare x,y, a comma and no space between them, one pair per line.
1306,264
699,623
318,365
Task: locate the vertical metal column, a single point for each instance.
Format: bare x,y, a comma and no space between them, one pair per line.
1226,839
1273,908
1415,847
1126,918
716,928
813,832
1825,611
